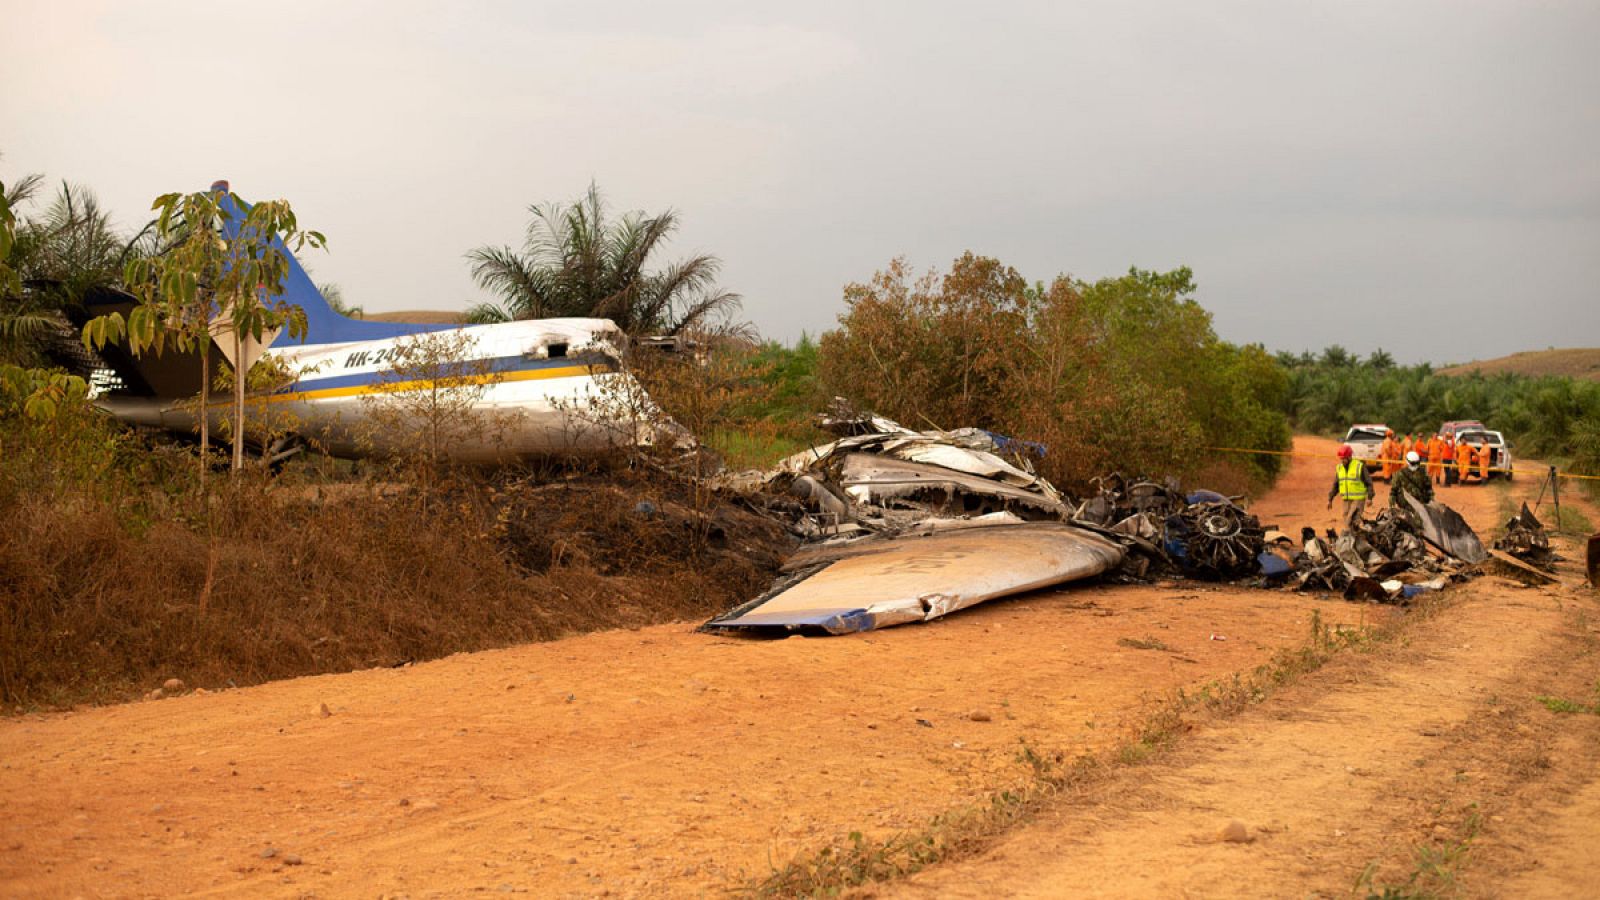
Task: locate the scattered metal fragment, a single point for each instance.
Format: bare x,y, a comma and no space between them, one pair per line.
1444,528
1526,540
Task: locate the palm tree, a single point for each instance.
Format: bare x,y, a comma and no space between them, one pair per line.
59,256
574,262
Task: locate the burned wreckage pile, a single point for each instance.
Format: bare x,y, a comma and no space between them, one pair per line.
902,525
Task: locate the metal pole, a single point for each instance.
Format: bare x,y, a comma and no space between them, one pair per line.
1555,491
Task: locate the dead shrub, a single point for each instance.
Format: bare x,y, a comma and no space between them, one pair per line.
108,588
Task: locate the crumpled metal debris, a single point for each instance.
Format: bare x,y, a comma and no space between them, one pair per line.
881,477
912,500
903,525
1525,539
1201,533
1390,558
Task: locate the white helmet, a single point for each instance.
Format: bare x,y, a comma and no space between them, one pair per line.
1412,458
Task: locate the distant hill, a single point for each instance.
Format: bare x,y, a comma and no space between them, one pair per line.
1572,363
420,317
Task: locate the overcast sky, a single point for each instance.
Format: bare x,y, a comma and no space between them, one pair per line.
1418,176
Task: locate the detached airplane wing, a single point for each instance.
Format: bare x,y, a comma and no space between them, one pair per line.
920,578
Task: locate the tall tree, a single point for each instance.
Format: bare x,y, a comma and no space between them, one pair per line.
219,276
578,261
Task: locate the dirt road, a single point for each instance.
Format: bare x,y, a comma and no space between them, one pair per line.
661,761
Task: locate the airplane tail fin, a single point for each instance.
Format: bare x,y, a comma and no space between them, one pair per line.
323,324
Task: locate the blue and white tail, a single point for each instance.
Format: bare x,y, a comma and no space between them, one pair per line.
323,324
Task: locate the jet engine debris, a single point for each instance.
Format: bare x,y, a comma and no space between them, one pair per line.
1202,533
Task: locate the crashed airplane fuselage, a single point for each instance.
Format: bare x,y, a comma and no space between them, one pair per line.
513,389
533,388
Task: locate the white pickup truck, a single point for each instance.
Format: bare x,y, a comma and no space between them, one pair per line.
1366,441
1499,450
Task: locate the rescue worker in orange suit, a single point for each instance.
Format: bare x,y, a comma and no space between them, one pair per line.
1483,456
1448,458
1436,459
1388,453
1353,484
1463,461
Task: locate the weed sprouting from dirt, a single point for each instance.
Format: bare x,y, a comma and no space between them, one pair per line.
860,859
1435,865
1146,643
1563,705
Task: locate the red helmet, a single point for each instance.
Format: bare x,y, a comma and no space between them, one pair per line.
1345,452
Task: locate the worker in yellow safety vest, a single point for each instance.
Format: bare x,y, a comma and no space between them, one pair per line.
1353,484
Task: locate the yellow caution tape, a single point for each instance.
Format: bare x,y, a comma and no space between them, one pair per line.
1399,462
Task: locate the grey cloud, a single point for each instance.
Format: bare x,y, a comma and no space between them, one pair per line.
1416,176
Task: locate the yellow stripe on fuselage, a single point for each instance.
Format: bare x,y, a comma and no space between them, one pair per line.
357,390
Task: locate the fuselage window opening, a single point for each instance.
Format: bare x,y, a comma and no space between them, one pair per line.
548,351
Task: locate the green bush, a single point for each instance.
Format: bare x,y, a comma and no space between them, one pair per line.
1122,373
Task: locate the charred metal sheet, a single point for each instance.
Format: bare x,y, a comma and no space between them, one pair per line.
1444,528
917,579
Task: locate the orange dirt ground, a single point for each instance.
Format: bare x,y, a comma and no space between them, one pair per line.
666,762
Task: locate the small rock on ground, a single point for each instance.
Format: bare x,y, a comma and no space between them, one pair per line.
1234,833
172,685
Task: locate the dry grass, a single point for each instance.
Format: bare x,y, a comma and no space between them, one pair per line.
1576,362
420,316
102,597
